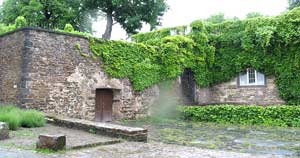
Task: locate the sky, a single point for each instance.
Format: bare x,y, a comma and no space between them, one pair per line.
183,12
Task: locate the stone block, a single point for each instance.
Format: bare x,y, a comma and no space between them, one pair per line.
52,142
4,131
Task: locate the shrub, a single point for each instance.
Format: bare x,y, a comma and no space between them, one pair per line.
20,22
68,28
11,118
32,118
16,117
282,115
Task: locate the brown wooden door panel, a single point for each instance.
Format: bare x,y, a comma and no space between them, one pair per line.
103,107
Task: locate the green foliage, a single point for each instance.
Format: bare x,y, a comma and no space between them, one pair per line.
129,14
48,14
16,117
254,15
243,114
20,22
78,48
294,3
216,18
268,44
4,28
214,52
123,59
146,65
11,119
68,28
32,118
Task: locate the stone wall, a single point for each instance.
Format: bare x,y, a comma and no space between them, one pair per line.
11,53
58,79
42,69
231,93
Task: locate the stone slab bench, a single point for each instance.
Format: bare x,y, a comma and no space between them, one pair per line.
102,128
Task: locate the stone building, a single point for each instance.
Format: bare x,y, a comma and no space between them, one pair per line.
250,87
42,69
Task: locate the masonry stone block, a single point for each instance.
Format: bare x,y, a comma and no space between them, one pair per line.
4,131
52,142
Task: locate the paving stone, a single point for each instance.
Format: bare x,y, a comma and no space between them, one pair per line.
25,138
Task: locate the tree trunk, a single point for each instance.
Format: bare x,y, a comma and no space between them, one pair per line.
109,24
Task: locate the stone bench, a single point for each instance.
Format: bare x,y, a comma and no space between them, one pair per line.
102,128
52,142
4,131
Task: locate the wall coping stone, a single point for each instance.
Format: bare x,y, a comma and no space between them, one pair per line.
41,29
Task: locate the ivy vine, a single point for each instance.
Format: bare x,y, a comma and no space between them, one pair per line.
214,52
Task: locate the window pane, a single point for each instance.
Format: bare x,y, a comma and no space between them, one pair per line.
251,76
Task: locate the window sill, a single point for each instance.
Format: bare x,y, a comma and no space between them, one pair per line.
252,86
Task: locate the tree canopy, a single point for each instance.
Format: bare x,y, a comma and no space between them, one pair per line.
216,18
47,13
129,14
294,3
254,15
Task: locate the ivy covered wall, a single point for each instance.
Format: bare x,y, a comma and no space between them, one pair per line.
214,52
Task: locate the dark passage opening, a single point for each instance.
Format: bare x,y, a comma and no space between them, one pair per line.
103,107
188,87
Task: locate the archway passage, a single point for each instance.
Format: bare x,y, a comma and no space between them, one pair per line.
103,107
188,87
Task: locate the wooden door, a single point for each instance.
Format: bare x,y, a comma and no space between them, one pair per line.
103,109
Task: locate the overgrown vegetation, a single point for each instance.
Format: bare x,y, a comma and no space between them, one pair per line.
16,117
146,65
19,22
240,114
214,52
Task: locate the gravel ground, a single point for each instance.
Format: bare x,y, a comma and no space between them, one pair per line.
22,145
130,150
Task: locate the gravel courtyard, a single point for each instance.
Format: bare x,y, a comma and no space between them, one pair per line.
22,145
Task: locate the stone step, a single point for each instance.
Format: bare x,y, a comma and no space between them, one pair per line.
94,144
101,128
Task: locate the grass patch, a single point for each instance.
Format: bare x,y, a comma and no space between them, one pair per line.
16,117
282,115
49,151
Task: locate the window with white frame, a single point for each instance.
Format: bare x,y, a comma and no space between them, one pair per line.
251,77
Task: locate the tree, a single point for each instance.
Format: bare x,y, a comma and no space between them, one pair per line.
130,14
47,13
254,15
216,18
294,4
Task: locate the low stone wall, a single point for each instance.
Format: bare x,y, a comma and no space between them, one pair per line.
231,93
108,129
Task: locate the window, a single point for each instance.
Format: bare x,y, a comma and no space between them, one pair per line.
251,77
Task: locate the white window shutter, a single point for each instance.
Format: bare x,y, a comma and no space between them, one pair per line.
243,79
260,79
